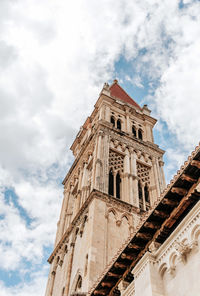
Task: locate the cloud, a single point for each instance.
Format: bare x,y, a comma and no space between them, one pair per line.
137,81
35,286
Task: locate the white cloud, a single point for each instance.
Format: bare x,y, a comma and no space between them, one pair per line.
136,80
33,287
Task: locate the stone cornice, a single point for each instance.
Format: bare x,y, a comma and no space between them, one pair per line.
178,233
128,140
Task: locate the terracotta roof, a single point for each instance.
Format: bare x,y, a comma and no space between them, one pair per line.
117,91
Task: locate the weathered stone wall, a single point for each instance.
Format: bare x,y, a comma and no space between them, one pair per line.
172,269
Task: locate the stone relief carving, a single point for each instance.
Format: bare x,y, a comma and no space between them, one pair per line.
181,248
116,161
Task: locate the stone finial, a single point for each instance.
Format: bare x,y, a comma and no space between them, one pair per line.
105,89
146,110
106,86
115,81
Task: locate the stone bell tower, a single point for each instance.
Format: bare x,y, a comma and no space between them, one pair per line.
116,177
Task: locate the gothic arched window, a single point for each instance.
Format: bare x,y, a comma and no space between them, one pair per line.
111,183
146,193
112,120
78,284
86,264
140,134
140,195
119,124
63,291
133,131
140,191
118,181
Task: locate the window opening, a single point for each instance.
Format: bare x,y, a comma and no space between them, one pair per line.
140,134
111,183
146,193
134,131
140,190
140,195
78,284
112,120
119,124
118,181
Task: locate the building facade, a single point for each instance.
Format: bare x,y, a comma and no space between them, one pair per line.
116,177
114,226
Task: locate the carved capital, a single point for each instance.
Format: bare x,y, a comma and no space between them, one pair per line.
118,222
161,163
172,271
183,250
101,133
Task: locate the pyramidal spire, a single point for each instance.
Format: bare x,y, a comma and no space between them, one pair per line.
117,91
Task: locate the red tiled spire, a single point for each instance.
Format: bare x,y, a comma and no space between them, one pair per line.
117,91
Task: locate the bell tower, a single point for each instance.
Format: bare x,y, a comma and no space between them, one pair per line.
117,176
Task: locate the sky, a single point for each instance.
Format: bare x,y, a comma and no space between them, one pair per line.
54,59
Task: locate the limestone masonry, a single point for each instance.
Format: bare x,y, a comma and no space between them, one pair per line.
121,230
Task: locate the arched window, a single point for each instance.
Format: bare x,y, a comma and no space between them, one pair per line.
58,259
111,183
63,291
112,120
140,195
86,264
118,181
78,284
134,131
140,134
140,191
119,124
146,193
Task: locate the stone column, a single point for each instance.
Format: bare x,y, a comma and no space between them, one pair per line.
105,163
107,113
128,127
84,181
135,196
156,177
94,164
64,211
136,129
161,165
159,176
131,176
143,198
77,195
101,112
126,191
98,162
69,208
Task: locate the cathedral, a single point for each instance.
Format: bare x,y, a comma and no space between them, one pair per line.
121,230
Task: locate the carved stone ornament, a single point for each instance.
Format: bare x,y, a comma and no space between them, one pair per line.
183,249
